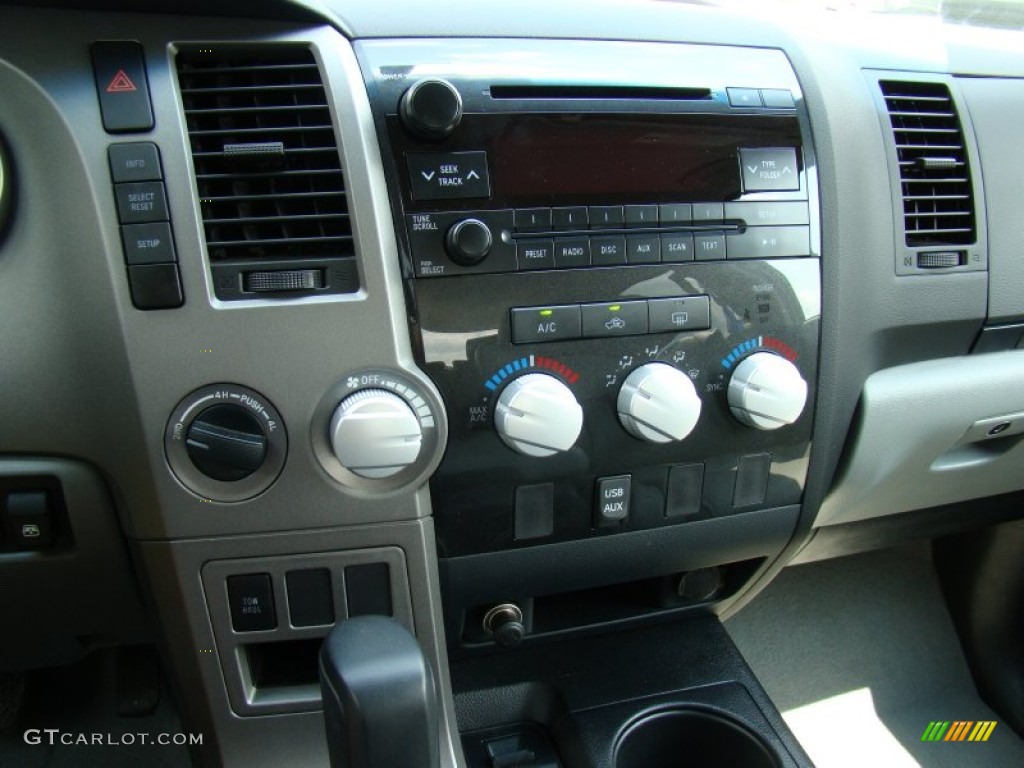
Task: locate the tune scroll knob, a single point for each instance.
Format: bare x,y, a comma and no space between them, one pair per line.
431,109
658,403
375,434
537,415
766,391
468,242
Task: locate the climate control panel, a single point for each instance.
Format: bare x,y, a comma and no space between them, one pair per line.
544,404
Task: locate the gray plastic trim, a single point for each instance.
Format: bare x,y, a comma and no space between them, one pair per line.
996,107
929,434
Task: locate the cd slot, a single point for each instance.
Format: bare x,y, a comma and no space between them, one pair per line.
603,92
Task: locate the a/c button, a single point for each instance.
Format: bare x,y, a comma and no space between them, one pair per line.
533,324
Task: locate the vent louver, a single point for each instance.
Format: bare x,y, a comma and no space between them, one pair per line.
267,171
938,206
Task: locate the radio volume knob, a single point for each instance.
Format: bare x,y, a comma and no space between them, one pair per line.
431,109
767,391
375,434
468,242
538,415
658,403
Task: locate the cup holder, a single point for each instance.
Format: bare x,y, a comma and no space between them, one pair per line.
690,738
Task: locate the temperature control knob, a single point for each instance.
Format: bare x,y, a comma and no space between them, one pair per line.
658,403
375,434
468,242
767,391
431,109
537,415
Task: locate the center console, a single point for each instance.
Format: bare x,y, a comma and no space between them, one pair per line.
610,255
611,261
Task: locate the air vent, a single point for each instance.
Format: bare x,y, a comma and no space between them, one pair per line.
267,171
935,177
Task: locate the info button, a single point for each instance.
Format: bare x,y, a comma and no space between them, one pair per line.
533,324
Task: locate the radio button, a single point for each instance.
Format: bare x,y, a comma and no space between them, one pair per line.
675,213
708,247
769,169
770,243
705,212
535,254
607,251
572,252
643,249
533,219
686,313
533,324
606,216
618,318
677,247
641,215
570,218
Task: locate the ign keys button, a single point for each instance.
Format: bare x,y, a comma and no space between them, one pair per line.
448,175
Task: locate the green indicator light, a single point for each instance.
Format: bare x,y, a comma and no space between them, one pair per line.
614,307
546,312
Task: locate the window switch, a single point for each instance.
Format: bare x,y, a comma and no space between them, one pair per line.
27,520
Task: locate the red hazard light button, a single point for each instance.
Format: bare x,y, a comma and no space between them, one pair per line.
120,71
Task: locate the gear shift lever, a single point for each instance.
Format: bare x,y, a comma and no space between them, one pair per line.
380,704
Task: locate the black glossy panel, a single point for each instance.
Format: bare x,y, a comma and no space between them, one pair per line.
467,350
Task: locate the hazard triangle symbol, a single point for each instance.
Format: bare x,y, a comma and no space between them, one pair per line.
121,83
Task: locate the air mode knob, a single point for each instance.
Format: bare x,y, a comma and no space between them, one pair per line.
375,434
658,403
767,391
468,242
431,109
537,415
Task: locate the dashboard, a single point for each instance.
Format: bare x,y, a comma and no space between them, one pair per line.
515,325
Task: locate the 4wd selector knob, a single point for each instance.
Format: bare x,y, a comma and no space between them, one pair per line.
431,109
658,403
375,434
538,415
468,242
226,442
767,391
